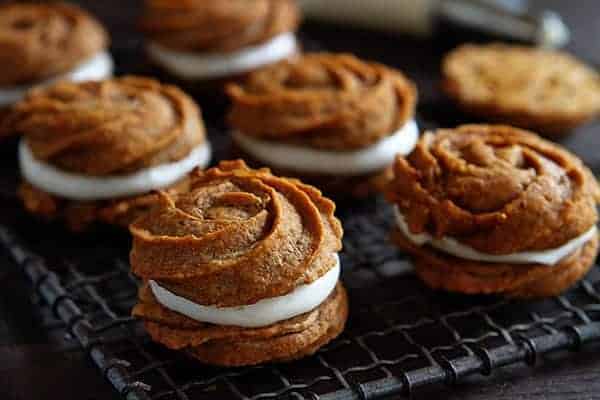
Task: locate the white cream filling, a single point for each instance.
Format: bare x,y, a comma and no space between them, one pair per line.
263,313
305,159
216,65
82,187
97,68
452,246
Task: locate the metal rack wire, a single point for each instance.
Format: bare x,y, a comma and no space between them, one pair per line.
400,336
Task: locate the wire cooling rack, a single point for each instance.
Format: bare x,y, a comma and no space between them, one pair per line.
400,335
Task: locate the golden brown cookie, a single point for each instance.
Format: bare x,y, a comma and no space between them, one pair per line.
208,43
40,41
547,91
498,191
217,26
104,131
330,105
236,238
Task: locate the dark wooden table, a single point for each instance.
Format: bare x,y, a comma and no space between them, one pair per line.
38,362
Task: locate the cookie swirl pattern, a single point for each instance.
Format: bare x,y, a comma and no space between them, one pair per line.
325,101
40,41
235,238
499,191
217,26
94,151
110,127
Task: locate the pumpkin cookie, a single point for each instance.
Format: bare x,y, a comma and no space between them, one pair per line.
240,269
208,40
331,119
548,91
42,43
94,151
495,209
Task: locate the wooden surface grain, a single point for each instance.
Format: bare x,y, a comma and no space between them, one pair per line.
38,362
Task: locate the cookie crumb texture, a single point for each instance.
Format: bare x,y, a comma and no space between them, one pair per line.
550,92
102,129
217,26
499,190
40,41
238,236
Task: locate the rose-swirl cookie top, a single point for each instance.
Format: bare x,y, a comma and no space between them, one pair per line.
325,101
108,128
523,83
236,237
217,26
39,41
498,189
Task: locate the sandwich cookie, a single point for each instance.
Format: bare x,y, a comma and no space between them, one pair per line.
94,151
241,268
495,209
331,119
210,40
45,43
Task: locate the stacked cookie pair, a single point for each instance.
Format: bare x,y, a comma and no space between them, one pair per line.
495,210
215,40
95,151
44,43
240,269
331,119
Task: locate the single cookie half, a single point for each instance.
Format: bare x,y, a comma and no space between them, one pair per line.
328,118
495,209
240,269
43,43
94,151
207,40
548,91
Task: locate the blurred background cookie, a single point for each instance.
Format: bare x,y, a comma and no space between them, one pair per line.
548,91
211,40
93,151
494,209
42,43
240,269
331,119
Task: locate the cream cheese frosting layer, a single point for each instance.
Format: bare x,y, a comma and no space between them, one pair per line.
82,187
97,68
305,159
453,247
263,313
217,65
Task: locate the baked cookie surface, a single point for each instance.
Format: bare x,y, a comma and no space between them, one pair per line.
236,239
40,41
211,26
495,209
547,91
211,42
347,115
324,100
108,137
